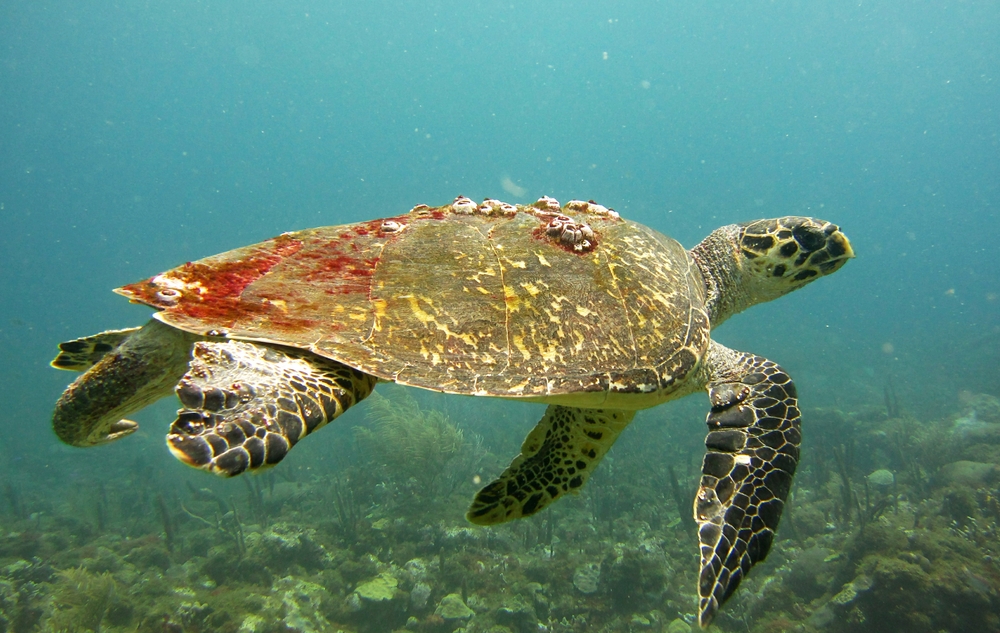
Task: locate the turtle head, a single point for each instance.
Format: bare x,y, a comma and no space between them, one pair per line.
782,255
750,263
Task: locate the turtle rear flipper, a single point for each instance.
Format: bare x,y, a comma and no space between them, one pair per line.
246,405
557,457
753,449
139,370
83,353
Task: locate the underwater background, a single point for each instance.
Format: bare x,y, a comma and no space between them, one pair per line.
136,136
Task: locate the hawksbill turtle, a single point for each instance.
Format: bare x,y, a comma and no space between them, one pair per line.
572,306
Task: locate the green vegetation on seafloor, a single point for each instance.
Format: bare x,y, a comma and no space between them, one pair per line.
893,524
407,441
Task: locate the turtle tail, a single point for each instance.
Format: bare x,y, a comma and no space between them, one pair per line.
246,405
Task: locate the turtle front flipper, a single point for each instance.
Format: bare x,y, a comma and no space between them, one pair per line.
246,405
558,456
753,449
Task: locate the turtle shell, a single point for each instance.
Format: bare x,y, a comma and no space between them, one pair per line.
485,299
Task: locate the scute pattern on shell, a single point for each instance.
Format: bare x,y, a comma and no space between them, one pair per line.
489,299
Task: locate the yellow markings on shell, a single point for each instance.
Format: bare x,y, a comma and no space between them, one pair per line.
489,272
519,264
548,352
557,302
584,311
418,312
379,306
658,296
468,339
513,301
541,259
519,344
482,290
519,387
531,288
427,319
358,316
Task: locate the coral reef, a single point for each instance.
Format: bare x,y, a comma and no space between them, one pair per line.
893,524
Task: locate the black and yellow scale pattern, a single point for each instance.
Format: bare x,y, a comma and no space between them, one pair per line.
752,452
246,405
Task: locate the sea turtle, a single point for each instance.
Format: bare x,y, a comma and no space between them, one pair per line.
572,306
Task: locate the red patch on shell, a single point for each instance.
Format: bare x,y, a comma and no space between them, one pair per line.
212,289
344,273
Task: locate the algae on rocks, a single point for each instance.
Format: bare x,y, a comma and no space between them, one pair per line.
452,607
586,577
378,589
81,601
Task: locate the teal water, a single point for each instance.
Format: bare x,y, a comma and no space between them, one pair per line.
135,137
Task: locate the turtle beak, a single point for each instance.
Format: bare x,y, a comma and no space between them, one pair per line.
847,246
838,247
839,242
